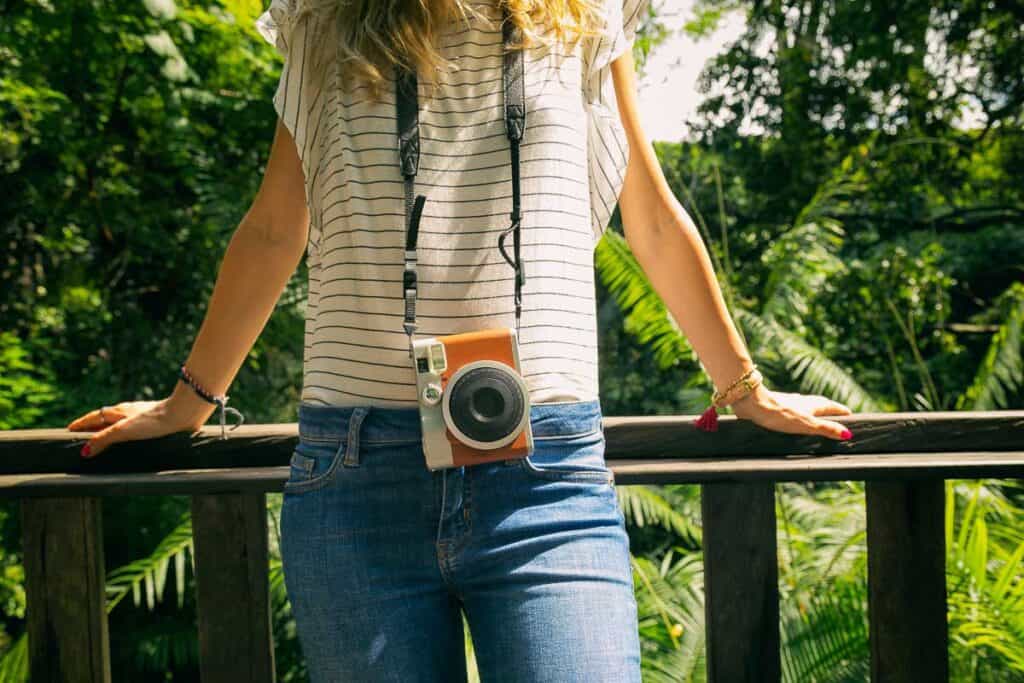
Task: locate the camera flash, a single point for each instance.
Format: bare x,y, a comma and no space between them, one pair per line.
437,358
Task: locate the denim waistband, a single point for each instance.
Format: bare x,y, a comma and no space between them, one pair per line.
400,425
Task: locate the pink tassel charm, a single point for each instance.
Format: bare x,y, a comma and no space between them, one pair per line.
708,421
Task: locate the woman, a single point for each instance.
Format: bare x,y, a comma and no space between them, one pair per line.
382,555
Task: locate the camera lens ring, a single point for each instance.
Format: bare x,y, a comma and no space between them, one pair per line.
470,426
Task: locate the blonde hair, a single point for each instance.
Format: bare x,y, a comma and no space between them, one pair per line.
371,37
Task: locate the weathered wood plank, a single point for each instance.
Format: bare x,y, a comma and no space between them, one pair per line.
232,590
907,581
633,437
741,599
663,471
675,436
968,465
66,612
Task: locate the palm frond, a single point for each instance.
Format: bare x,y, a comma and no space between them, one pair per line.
800,261
803,257
14,664
646,505
986,588
825,639
822,535
815,372
150,572
1001,374
646,317
670,603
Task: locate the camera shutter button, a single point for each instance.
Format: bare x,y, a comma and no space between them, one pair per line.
432,394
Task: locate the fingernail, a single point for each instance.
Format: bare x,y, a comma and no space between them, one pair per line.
846,434
86,451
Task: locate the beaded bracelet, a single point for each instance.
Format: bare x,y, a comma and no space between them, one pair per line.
221,400
708,421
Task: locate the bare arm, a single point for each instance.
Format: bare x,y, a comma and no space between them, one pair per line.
259,260
669,248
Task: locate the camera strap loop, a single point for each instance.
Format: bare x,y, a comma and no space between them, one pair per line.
407,109
515,126
409,154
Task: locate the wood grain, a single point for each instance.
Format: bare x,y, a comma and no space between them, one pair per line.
232,589
741,599
68,640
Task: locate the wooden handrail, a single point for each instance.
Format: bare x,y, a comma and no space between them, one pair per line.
903,457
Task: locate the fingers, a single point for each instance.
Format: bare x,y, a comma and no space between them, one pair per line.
100,441
94,420
834,430
87,422
795,422
827,406
122,430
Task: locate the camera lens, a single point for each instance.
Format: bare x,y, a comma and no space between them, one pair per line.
486,404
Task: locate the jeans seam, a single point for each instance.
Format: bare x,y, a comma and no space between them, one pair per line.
566,475
347,453
354,425
575,435
306,485
334,438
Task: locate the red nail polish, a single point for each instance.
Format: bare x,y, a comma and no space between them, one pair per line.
86,450
846,434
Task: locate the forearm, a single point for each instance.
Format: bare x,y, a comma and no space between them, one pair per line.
669,248
251,277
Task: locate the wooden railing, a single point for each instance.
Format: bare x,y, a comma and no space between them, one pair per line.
903,457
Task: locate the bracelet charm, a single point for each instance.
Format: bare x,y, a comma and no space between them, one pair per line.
220,401
708,421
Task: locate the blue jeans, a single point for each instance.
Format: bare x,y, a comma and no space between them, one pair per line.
381,556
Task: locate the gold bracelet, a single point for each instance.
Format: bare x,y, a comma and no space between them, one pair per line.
717,396
748,384
749,380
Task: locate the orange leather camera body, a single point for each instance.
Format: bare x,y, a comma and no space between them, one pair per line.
474,402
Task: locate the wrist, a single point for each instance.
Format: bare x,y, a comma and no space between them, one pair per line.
759,396
725,376
189,405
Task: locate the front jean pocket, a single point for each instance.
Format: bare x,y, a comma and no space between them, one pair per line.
569,457
314,464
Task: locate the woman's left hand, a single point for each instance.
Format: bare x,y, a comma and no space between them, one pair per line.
792,413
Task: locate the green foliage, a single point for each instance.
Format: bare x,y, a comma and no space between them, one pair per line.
867,238
151,572
1001,376
128,159
646,317
24,388
985,547
873,256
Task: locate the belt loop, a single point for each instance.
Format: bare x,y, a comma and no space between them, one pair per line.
355,421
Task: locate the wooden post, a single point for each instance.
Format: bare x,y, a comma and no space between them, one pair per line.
741,579
232,589
907,581
66,610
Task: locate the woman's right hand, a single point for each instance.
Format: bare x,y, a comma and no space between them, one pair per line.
134,420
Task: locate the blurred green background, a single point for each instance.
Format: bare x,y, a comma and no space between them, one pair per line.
854,170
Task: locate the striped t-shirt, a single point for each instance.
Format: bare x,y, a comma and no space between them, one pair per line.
573,160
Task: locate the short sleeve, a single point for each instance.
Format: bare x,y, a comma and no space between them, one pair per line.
275,24
295,93
607,144
296,98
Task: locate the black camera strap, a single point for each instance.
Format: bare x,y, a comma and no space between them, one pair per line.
407,108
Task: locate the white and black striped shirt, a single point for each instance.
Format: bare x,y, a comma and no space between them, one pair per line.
573,160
